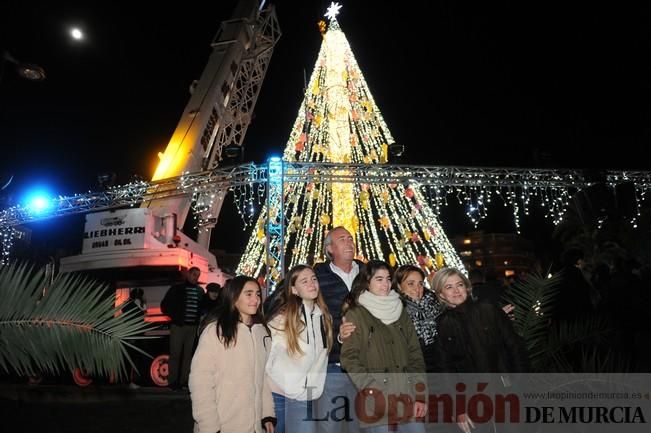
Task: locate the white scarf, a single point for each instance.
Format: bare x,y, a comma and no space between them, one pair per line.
386,308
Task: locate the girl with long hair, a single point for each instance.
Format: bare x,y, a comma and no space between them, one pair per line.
301,330
228,388
383,353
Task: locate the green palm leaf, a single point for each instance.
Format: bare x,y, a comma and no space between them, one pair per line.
591,338
565,346
70,323
534,298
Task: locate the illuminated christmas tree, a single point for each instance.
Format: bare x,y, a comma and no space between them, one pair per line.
339,122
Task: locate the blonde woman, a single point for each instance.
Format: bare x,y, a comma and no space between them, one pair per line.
474,337
301,330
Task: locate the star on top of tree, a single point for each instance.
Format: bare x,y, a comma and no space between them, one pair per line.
333,11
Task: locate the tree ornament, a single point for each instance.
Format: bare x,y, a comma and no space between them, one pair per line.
440,260
392,260
409,192
385,222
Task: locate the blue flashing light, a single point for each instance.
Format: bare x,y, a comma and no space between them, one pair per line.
38,201
39,204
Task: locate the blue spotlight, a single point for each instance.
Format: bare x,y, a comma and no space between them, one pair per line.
39,204
38,201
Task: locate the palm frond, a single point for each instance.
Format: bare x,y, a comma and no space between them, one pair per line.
73,323
599,360
585,345
534,297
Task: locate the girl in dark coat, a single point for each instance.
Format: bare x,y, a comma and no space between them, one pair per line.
474,337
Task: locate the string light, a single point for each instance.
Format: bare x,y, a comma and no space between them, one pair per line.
550,190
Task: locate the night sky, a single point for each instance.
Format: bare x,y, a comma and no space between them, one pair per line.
488,84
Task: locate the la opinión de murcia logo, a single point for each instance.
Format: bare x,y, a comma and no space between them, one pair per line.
372,405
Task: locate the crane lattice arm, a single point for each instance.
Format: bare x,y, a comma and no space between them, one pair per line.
221,103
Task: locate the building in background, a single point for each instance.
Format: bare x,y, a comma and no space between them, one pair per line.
505,254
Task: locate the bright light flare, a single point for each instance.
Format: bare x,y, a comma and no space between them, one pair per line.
37,201
76,34
39,204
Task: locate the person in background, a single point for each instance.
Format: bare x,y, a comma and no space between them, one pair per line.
383,353
490,289
301,333
423,308
486,287
474,337
228,387
210,299
335,278
135,305
275,299
181,304
574,299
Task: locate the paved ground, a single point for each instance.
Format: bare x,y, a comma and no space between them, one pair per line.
95,409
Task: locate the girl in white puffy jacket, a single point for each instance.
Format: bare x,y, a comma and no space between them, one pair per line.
228,385
301,332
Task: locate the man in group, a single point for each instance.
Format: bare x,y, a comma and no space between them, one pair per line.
335,278
181,304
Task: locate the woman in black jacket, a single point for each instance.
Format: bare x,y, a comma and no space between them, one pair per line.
474,337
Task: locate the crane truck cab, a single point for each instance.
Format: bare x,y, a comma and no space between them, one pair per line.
133,248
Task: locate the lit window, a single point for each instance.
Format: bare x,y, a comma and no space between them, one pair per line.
467,241
509,273
466,253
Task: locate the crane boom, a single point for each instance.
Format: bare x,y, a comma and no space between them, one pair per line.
221,102
146,241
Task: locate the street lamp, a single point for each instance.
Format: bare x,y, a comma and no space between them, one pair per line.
26,70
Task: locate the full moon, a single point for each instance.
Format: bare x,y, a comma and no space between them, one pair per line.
76,34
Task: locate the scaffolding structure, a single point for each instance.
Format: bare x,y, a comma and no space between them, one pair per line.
517,186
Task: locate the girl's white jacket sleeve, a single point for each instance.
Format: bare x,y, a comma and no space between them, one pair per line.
204,381
279,363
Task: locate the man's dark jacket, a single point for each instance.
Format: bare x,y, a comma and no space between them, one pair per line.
334,292
173,304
